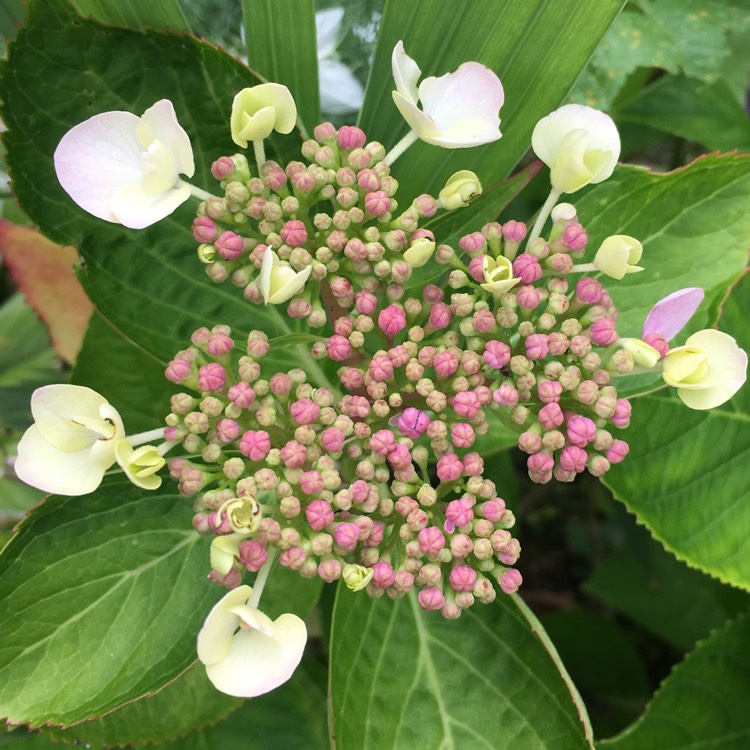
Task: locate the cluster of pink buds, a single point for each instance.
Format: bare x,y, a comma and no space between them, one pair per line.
357,238
340,485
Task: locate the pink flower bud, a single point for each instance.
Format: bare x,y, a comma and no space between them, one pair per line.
440,315
399,457
431,540
311,482
222,168
476,268
219,344
472,243
581,431
252,554
617,451
529,297
351,137
505,395
392,320
493,510
377,203
603,332
230,245
383,575
319,515
338,348
527,268
431,598
381,368
537,346
204,229
510,581
463,578
449,467
540,464
549,391
589,291
496,354
514,231
346,536
294,233
656,340
178,370
551,416
255,444
227,430
425,205
413,422
459,512
462,435
211,377
573,458
304,411
466,404
575,237
293,454
621,417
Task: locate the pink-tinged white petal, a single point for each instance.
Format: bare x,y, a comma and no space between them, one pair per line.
671,314
245,653
97,158
415,118
473,92
406,73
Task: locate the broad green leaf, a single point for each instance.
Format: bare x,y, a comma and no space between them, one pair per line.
281,46
292,717
606,666
693,224
148,283
647,584
26,361
689,36
536,48
131,379
692,109
190,702
405,678
288,591
15,499
685,477
136,13
103,598
702,705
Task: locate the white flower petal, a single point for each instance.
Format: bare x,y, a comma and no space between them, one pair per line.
327,26
161,121
97,158
340,91
416,119
215,638
72,473
136,209
290,287
406,73
256,663
264,279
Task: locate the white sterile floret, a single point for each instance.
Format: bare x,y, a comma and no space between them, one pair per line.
279,282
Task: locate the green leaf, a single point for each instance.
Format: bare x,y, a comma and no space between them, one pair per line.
104,596
281,47
605,665
702,705
189,703
136,13
131,379
26,361
15,499
147,283
405,678
692,109
663,595
685,477
536,48
693,224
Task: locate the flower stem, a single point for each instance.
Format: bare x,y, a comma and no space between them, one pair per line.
146,437
260,581
544,212
198,193
260,153
410,138
584,268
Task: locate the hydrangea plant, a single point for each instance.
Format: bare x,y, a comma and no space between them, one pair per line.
331,332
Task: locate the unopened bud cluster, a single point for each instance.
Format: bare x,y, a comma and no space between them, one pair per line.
340,486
